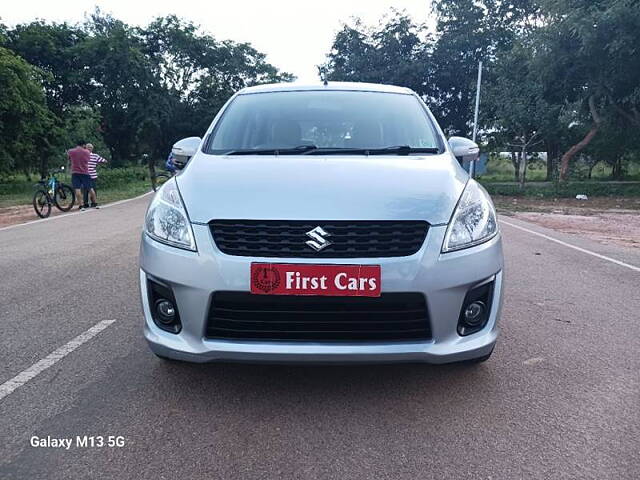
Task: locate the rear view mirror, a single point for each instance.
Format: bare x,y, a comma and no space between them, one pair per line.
184,149
464,149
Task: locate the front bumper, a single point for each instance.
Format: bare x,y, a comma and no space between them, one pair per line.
444,279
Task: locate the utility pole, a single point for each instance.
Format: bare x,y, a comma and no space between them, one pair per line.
472,165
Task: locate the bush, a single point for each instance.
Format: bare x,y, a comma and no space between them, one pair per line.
114,177
107,178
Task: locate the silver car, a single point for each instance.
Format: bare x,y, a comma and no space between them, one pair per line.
322,223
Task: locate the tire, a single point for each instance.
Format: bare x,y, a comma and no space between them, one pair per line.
42,203
161,178
64,198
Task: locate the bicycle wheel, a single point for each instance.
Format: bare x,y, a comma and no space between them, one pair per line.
42,203
161,178
64,198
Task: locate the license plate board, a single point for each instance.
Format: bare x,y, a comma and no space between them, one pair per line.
312,279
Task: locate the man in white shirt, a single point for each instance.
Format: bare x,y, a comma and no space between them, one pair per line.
94,160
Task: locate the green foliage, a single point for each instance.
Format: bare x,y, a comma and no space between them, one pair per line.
470,31
126,94
126,89
85,123
197,75
395,53
113,184
554,70
501,169
53,48
25,122
115,177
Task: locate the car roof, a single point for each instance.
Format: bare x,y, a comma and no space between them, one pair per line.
342,86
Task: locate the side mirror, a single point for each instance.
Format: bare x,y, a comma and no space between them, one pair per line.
464,149
184,149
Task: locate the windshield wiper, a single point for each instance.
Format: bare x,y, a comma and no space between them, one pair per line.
273,151
403,150
397,150
314,150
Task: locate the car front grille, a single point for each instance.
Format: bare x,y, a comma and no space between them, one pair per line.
349,239
392,316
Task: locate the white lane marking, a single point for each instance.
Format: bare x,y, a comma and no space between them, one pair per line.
120,202
580,249
77,212
23,377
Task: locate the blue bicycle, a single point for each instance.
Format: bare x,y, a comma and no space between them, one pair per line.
52,191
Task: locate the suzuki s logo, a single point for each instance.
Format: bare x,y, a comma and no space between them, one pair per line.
318,238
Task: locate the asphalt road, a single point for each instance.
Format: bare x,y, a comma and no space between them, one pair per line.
560,398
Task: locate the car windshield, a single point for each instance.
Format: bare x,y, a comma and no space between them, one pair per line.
323,120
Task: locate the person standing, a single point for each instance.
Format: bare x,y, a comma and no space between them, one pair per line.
170,165
80,179
94,160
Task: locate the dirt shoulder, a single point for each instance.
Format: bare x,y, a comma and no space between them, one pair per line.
15,214
21,214
608,220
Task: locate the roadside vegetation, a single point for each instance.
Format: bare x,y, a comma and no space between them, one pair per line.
130,91
584,180
114,184
559,77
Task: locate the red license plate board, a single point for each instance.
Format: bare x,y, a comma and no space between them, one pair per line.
309,279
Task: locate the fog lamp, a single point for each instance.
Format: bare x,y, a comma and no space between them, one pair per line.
474,313
166,311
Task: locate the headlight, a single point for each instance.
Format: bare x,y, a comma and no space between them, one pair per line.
473,221
167,219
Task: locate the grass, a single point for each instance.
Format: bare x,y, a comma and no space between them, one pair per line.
123,192
499,180
500,169
113,185
107,195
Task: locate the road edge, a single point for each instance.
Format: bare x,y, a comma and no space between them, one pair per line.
41,220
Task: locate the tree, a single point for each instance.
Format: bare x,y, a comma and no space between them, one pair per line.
122,80
521,119
53,48
590,57
395,53
26,124
618,141
139,89
470,31
84,122
197,74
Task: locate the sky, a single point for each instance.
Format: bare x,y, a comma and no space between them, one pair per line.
295,35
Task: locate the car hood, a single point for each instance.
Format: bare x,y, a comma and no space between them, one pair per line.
321,188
